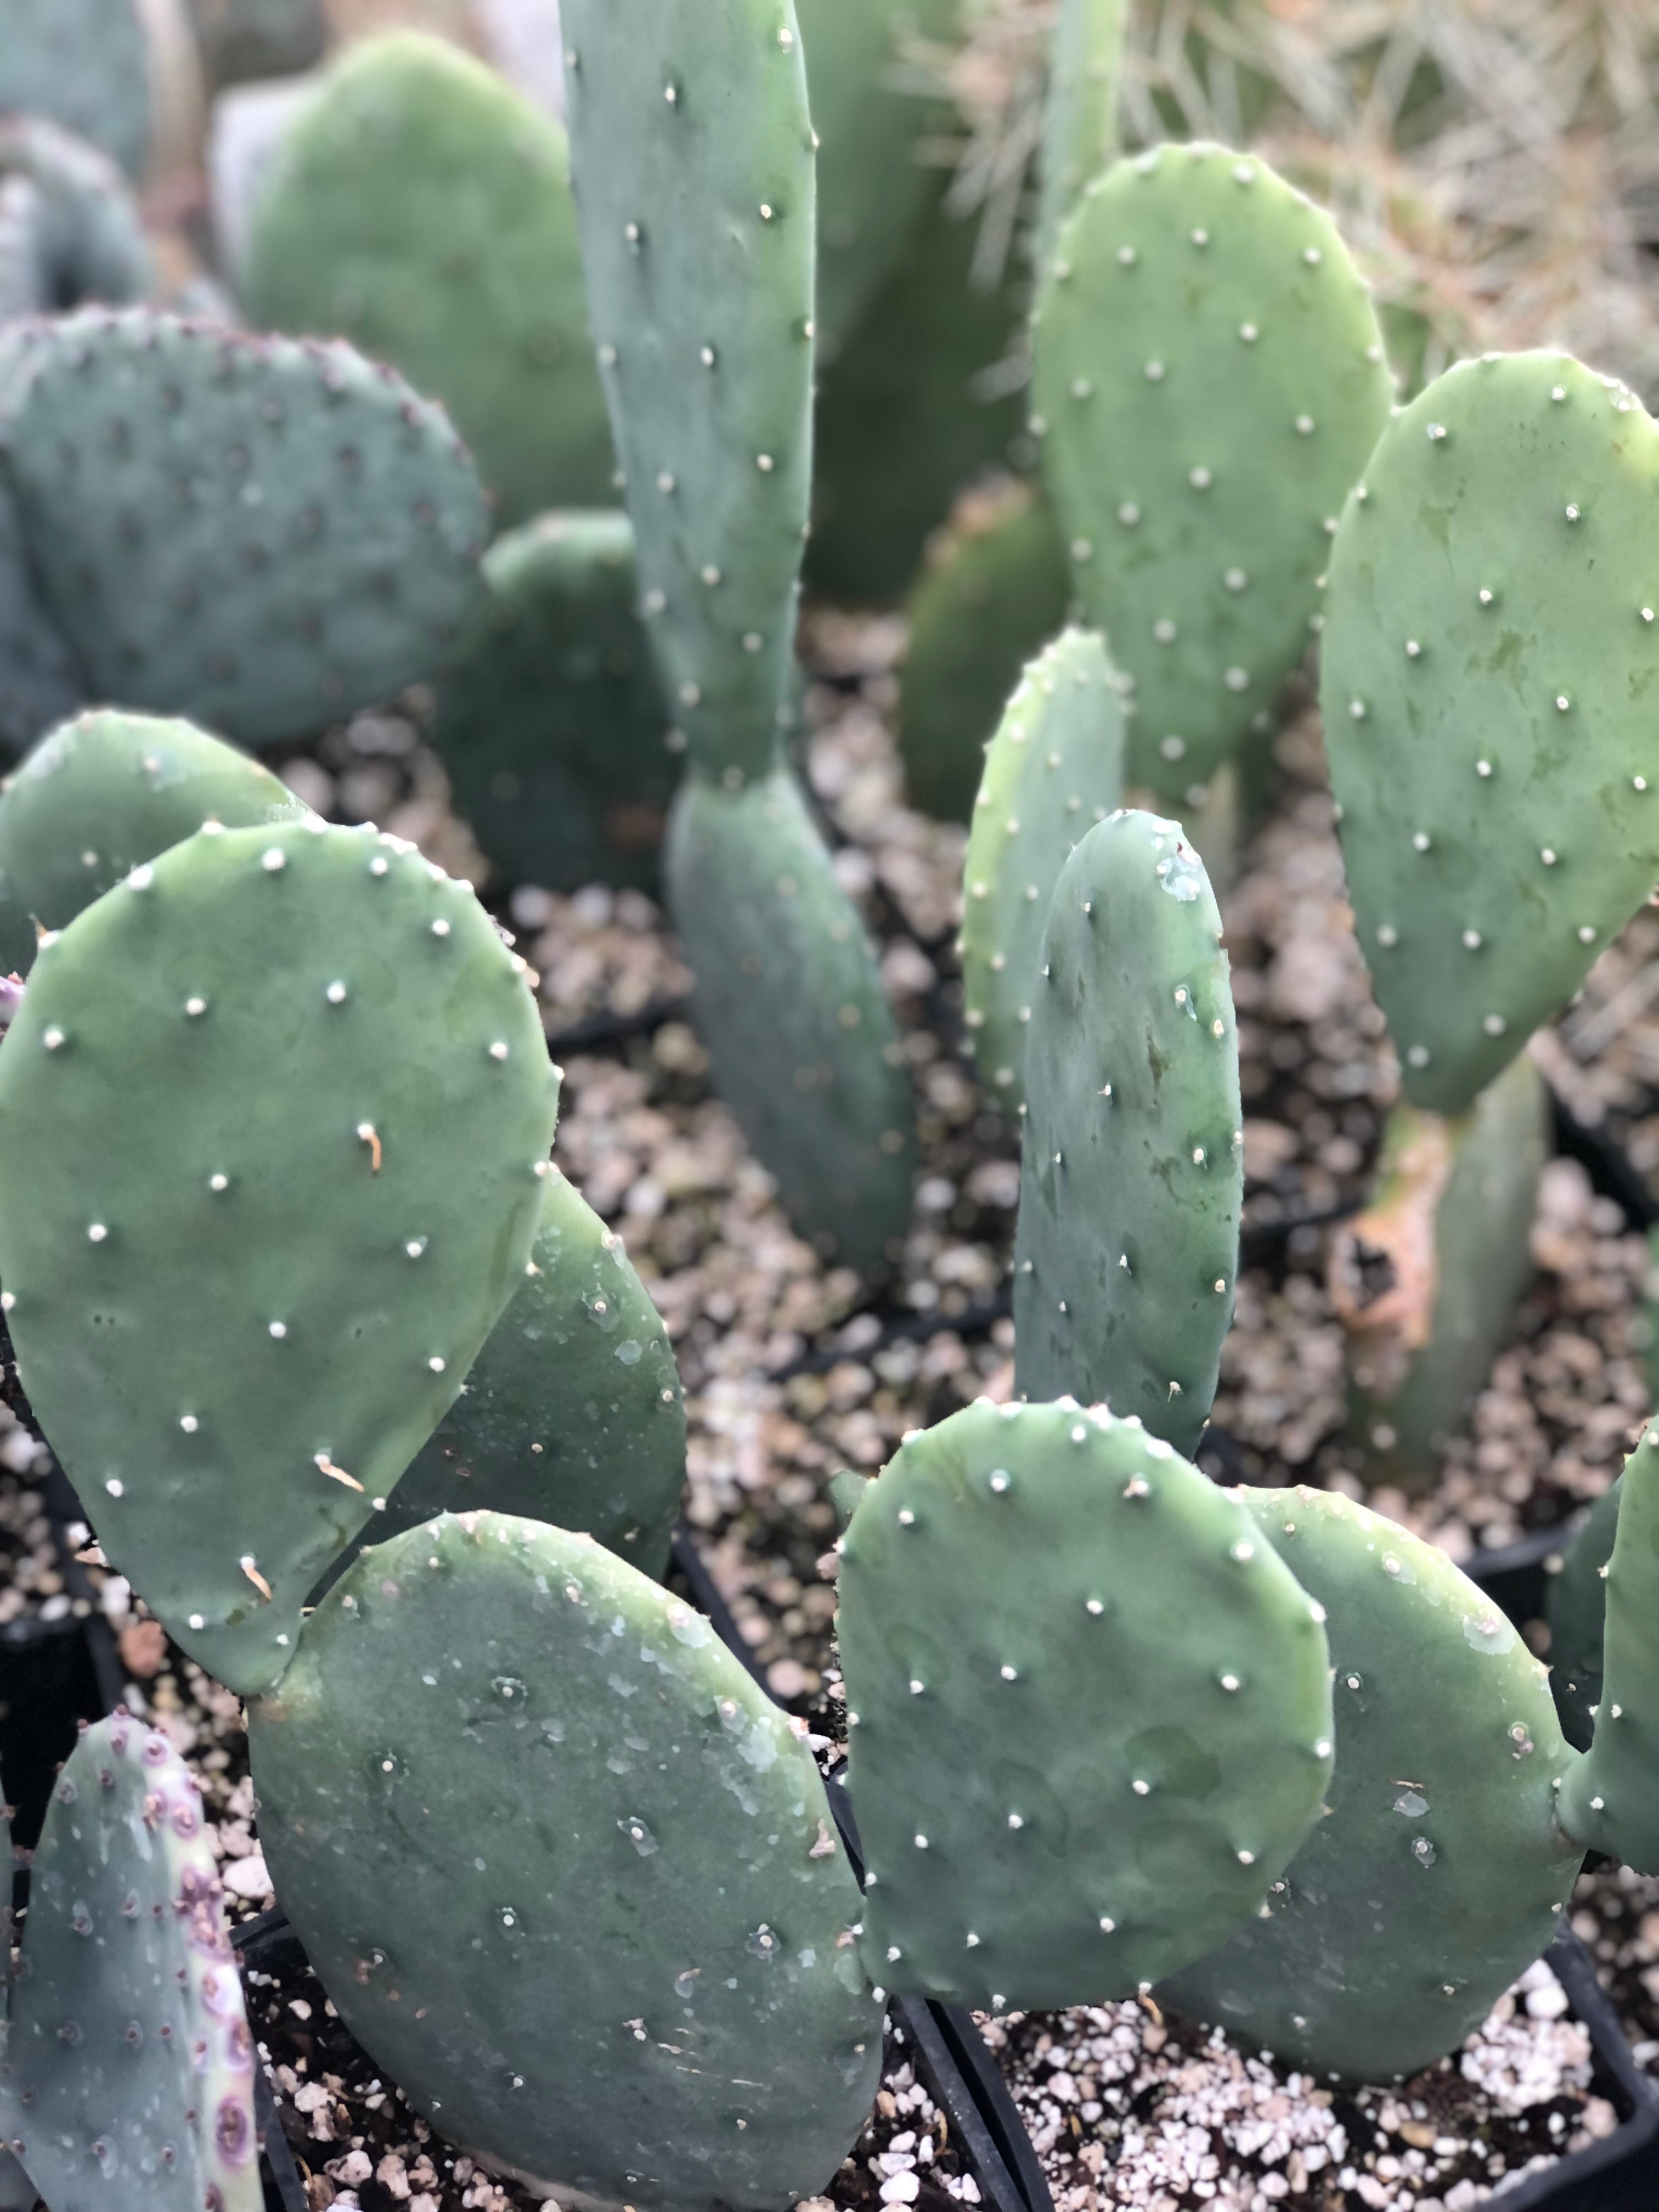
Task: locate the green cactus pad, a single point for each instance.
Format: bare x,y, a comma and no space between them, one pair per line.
993,593
1080,119
1210,376
1054,769
40,682
1610,1801
92,244
421,207
84,65
695,177
1576,1605
1094,1709
1132,1180
106,792
1439,1871
272,1119
567,1875
791,1003
572,1412
260,534
551,721
126,2073
1491,641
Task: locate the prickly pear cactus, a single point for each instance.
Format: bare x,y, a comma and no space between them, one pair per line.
1210,380
572,1412
260,534
551,722
84,64
693,154
92,241
1610,1800
275,1113
1132,1180
993,593
39,682
1576,1604
1436,1874
1053,770
25,284
567,1875
1493,633
790,999
126,2072
1060,1802
106,792
1080,118
421,207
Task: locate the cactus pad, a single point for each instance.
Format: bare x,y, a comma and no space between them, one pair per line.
40,682
1053,770
1438,1874
1610,1801
92,240
551,721
421,207
1210,376
1576,1604
274,1113
572,1412
1061,1799
1491,641
567,1875
1080,119
84,64
106,792
260,534
791,1002
126,2074
1132,1180
693,170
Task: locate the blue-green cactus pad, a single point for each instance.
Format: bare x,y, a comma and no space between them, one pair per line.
260,534
1438,1874
567,1875
84,64
1490,665
272,1121
1094,1709
39,682
92,239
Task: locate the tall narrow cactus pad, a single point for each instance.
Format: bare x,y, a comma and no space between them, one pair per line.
1132,1177
260,534
106,792
1060,1799
1080,118
126,2074
93,243
84,64
551,721
694,180
1054,769
272,1119
572,1412
1492,643
421,207
1576,1604
627,1972
789,997
1610,1801
1437,1873
1210,376
1427,1278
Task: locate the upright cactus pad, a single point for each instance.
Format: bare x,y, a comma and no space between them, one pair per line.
1610,1801
573,1412
1060,1798
1576,1605
551,721
106,792
567,1875
693,155
1131,1181
1210,378
92,241
272,1119
1491,642
421,207
1054,769
1079,120
260,534
39,682
789,997
1437,1873
126,2074
84,64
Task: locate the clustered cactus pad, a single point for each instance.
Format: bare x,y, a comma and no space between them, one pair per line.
1209,375
265,1020
1492,643
644,1990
